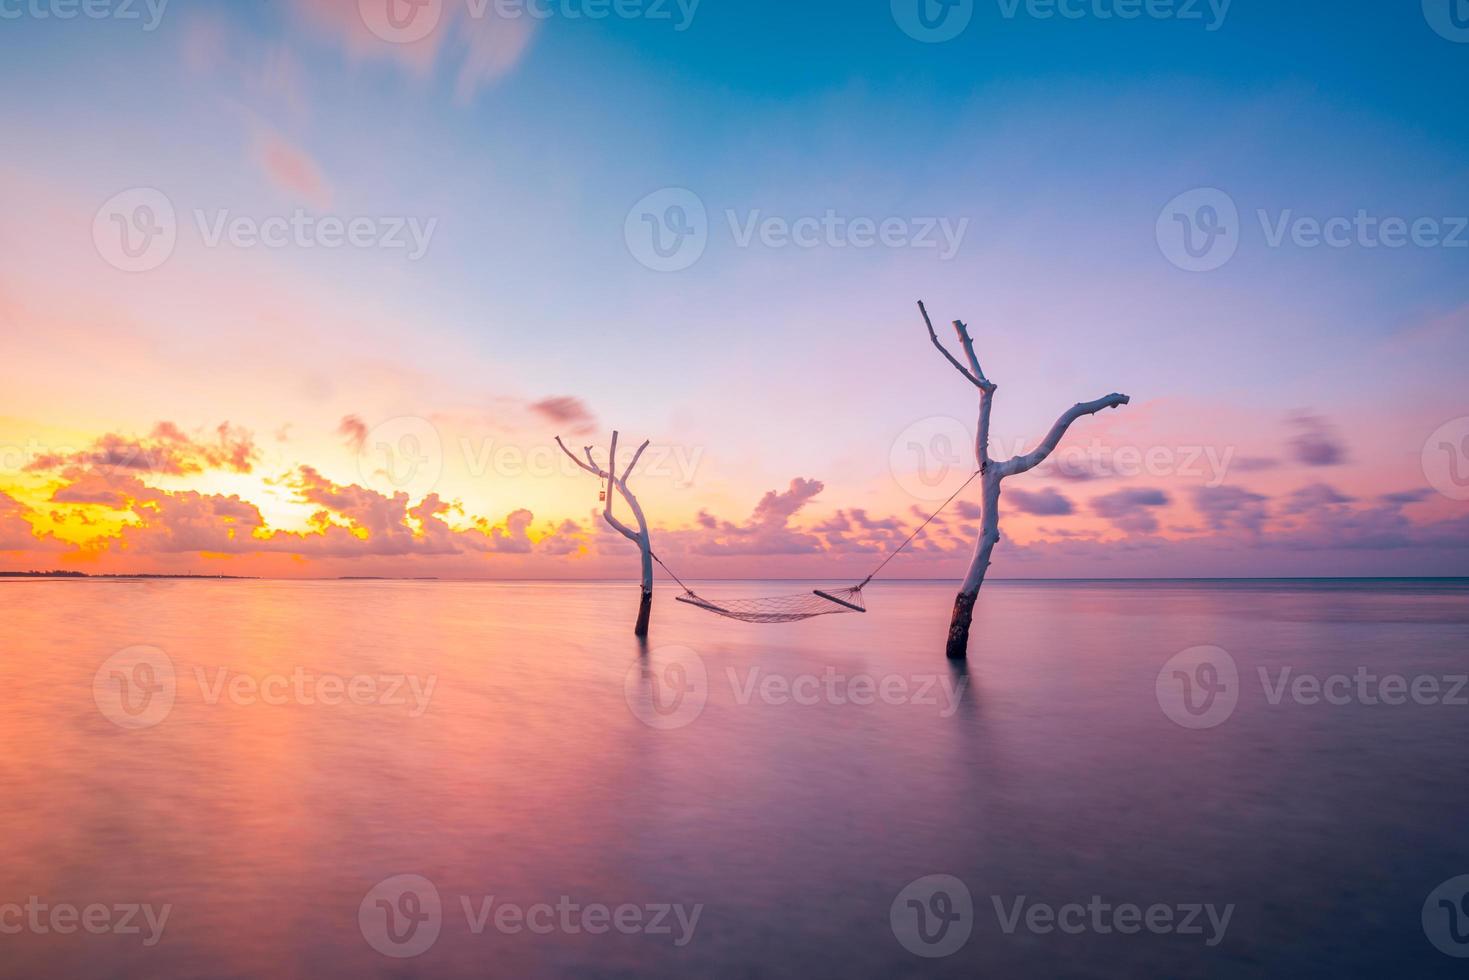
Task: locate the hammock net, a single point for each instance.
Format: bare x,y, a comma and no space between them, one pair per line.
781,609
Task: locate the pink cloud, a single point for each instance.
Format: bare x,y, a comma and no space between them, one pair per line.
292,170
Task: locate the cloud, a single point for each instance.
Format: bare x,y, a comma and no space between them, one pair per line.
1044,503
167,450
967,510
1315,442
1231,507
768,531
568,411
1131,509
16,532
291,169
355,430
488,46
1314,497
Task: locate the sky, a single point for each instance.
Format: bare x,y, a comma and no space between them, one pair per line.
308,287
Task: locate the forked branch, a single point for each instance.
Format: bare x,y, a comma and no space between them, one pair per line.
1019,464
974,373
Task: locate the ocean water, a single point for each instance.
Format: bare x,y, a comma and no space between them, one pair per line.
396,779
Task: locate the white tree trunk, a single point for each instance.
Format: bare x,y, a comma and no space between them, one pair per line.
992,475
617,485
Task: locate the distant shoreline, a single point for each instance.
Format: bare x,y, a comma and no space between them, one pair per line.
62,575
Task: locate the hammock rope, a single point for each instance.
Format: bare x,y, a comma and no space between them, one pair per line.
817,602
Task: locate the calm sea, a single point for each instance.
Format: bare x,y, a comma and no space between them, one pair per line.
394,779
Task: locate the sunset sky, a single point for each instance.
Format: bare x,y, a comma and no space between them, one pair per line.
227,407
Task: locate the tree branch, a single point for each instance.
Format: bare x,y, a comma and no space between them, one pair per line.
944,351
973,372
1019,464
635,457
968,345
589,466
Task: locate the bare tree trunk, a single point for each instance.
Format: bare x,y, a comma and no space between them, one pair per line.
617,486
989,536
957,647
645,610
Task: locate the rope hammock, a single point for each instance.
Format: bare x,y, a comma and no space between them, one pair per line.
804,605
